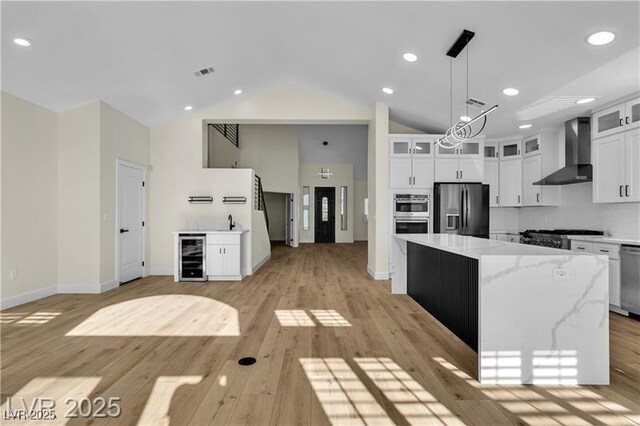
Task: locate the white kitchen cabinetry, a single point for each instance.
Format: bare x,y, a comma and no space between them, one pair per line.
411,161
616,167
462,164
491,177
223,256
510,150
605,249
617,118
510,183
531,172
540,159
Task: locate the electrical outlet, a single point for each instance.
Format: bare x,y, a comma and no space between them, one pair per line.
13,274
561,274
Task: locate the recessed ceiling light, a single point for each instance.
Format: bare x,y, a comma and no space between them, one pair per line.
188,108
410,57
601,38
510,91
465,118
585,100
237,92
24,42
524,126
387,90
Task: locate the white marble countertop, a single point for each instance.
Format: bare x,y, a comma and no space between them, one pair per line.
478,247
605,239
211,231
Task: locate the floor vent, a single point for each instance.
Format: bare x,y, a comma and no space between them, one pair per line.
247,361
204,71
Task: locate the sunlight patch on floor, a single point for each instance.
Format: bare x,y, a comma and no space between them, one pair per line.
330,318
57,389
294,318
167,315
533,407
9,317
299,318
418,406
343,396
156,411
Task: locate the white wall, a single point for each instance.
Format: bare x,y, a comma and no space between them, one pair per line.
346,144
272,151
79,196
395,127
177,173
260,244
121,137
359,225
29,201
342,176
275,203
222,152
378,190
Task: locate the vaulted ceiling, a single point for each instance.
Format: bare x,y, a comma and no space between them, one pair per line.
140,56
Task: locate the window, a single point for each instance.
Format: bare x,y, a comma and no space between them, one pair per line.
305,208
343,208
366,211
325,209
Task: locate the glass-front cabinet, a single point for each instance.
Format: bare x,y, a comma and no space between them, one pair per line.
510,149
491,151
632,117
531,145
400,146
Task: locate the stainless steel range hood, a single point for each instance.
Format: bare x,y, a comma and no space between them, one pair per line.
577,150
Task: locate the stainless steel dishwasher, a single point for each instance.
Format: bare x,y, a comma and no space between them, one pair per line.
630,278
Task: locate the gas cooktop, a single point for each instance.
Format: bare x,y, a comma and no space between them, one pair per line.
557,238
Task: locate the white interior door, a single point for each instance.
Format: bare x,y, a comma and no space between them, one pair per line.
130,222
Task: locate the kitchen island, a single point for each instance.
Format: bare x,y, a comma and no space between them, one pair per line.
534,315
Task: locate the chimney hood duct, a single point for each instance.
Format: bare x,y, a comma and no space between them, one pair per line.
577,150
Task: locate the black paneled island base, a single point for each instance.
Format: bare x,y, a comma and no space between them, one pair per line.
446,285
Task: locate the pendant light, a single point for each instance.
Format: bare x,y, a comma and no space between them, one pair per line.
461,131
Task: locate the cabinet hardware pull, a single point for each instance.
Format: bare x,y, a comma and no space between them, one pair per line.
518,199
457,174
220,250
496,199
626,120
460,174
409,180
538,198
621,191
621,122
626,190
604,251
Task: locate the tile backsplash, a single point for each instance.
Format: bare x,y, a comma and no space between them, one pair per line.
579,212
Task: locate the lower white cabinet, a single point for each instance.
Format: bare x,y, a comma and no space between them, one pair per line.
511,183
223,257
613,251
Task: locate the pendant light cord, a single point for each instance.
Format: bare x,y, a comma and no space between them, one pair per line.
450,92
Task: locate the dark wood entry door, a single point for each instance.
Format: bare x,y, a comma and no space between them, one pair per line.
325,214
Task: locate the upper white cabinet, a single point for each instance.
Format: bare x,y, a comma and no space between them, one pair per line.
491,177
510,183
540,158
491,151
510,149
616,167
462,164
618,118
411,161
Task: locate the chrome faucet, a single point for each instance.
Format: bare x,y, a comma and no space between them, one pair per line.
231,224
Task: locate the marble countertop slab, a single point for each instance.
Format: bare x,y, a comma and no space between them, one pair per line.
611,240
478,247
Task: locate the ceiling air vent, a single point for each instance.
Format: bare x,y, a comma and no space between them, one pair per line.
204,71
475,103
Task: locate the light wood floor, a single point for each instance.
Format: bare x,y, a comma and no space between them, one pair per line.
332,347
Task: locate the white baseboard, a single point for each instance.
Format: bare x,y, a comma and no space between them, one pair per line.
23,298
618,310
109,285
377,275
79,288
161,271
260,264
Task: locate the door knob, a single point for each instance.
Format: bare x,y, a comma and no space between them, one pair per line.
122,230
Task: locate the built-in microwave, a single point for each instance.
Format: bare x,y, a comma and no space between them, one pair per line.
410,204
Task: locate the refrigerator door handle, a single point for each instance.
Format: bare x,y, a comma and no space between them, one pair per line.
467,205
463,210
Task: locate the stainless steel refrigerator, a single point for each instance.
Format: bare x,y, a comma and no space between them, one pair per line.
461,208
